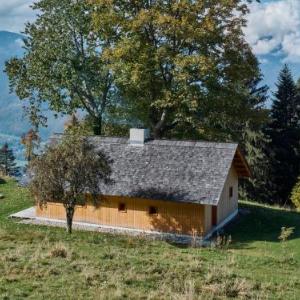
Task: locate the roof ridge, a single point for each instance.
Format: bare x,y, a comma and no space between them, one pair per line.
187,143
177,142
167,142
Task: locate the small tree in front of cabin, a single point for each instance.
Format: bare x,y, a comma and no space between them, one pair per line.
68,171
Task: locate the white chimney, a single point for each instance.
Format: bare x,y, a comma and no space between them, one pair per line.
139,136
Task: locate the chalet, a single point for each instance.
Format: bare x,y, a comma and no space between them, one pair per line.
164,186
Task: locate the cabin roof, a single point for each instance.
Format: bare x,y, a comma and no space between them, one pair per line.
181,171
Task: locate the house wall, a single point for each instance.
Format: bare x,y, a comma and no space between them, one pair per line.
208,218
227,205
181,218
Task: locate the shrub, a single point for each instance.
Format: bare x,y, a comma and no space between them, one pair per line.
286,233
59,251
222,242
295,197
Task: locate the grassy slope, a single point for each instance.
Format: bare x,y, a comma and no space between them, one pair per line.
100,266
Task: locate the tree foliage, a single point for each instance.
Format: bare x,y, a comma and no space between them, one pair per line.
63,66
31,141
84,127
181,64
255,144
67,171
8,165
179,68
284,134
295,196
285,113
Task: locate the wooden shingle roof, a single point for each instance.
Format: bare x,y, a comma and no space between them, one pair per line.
181,171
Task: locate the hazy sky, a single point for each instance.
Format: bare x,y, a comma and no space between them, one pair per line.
273,31
14,13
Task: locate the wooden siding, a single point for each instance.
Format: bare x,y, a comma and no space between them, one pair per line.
173,217
227,205
181,218
208,218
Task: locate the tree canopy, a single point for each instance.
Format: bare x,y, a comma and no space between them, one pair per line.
179,68
67,171
285,111
181,65
8,165
31,141
284,133
63,67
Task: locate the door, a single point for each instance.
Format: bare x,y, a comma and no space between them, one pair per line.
214,216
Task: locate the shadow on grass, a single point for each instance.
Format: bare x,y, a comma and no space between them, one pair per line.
2,181
254,223
261,223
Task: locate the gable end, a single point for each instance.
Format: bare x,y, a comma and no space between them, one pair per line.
240,164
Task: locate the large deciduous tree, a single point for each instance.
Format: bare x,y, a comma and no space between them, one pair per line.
181,64
63,65
70,171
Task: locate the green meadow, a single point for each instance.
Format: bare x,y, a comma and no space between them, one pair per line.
38,262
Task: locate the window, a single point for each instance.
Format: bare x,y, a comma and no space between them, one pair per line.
122,207
152,210
231,192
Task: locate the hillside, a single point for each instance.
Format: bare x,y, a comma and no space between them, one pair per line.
35,260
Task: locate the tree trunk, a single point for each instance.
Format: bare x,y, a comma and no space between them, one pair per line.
158,128
70,209
157,133
97,126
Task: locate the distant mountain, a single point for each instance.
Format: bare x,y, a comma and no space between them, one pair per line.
11,115
13,123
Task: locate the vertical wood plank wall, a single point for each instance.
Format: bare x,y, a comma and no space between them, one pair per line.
227,204
181,218
208,218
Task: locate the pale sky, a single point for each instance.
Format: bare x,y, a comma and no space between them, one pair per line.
14,13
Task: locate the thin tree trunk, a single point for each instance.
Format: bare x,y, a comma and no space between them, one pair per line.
69,213
97,126
158,128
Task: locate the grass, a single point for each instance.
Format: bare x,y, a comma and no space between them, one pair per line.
46,263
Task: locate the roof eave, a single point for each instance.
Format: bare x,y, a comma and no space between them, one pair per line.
241,165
